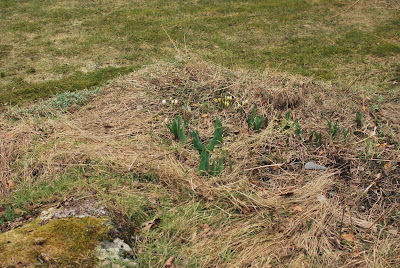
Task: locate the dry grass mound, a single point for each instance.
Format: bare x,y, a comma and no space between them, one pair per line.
277,212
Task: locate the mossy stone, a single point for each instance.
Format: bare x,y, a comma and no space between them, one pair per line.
62,242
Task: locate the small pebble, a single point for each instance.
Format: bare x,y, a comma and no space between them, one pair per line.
313,166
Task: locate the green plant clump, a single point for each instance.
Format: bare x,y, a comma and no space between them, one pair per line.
216,166
256,122
177,128
318,137
67,99
333,129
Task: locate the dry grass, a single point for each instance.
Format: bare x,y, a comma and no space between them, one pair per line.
275,216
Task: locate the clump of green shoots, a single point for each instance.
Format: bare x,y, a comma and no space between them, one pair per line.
289,123
256,122
333,128
216,166
177,128
317,136
345,134
205,168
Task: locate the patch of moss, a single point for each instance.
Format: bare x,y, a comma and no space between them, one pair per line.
62,241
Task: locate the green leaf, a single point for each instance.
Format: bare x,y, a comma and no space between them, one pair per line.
196,141
359,119
212,169
217,139
287,116
177,129
257,123
317,138
204,162
298,128
219,168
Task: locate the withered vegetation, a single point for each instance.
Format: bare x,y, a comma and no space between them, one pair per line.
265,209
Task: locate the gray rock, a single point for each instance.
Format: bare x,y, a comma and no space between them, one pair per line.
79,209
313,166
117,250
122,245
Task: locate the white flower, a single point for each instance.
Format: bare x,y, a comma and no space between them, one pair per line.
164,102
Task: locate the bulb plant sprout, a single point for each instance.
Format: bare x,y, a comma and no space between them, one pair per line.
256,122
177,128
216,166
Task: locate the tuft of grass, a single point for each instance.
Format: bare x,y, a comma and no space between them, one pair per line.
76,181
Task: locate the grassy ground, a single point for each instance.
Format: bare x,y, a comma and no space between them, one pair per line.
52,46
263,210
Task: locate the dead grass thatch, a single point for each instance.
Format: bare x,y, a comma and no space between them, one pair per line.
284,214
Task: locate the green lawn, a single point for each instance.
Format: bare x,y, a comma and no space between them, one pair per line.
52,46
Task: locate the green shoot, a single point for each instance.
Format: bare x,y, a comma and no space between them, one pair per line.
196,141
318,139
359,119
345,134
287,116
333,129
204,166
204,162
288,123
217,139
297,130
177,128
256,122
